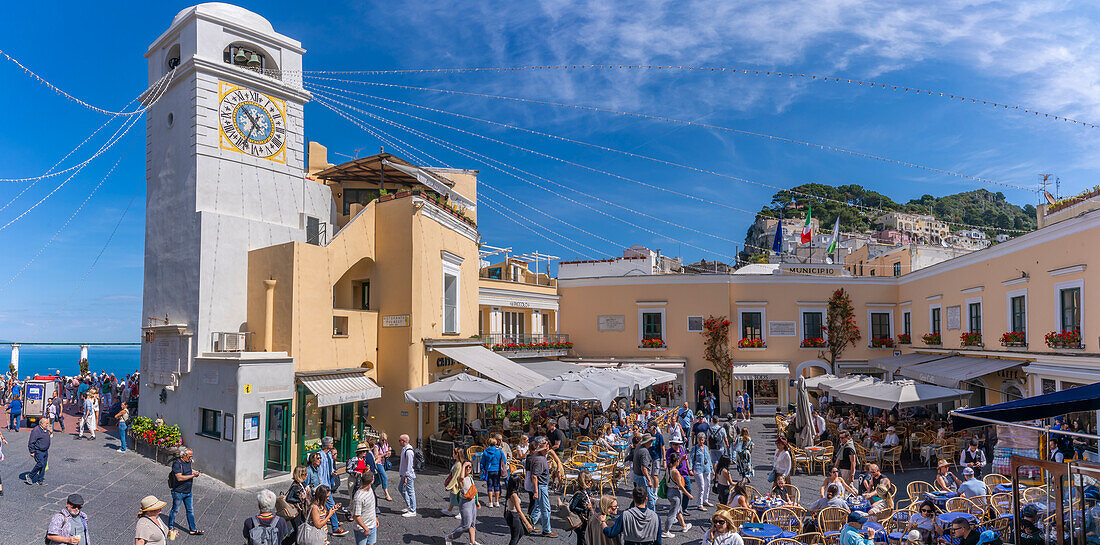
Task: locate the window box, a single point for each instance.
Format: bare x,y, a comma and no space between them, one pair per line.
932,339
751,343
1069,339
972,338
1014,339
814,342
905,339
881,342
652,343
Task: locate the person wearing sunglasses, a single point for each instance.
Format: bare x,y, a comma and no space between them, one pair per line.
722,530
833,477
924,521
962,530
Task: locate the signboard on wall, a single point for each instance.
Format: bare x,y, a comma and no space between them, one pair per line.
611,322
782,329
401,320
954,317
251,427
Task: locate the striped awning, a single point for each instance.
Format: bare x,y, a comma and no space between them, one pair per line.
339,386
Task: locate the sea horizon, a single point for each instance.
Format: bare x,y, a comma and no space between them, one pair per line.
35,359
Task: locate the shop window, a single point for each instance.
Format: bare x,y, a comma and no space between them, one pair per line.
211,423
652,325
1070,305
974,311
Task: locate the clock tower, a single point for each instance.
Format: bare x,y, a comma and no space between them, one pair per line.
225,174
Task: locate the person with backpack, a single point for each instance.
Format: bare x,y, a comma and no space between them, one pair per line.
407,472
180,479
717,439
266,528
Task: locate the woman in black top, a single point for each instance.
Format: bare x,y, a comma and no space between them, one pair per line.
581,505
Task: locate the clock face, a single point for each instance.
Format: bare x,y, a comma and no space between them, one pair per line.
252,122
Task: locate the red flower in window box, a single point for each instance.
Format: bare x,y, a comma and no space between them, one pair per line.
653,343
751,343
932,338
882,342
1069,338
904,339
971,339
814,342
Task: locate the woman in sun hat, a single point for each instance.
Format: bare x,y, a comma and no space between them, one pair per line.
150,530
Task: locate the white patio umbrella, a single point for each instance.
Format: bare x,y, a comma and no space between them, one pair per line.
573,387
900,394
851,381
651,376
461,388
820,381
805,415
611,377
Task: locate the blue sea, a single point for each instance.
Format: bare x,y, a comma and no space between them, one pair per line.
120,360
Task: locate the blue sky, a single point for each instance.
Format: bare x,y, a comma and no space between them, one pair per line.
1038,53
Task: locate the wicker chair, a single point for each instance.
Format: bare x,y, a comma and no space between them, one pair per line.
784,541
753,541
1001,525
892,457
812,538
832,539
784,518
831,519
801,458
894,530
752,492
958,504
916,491
742,515
824,458
994,479
982,506
1001,503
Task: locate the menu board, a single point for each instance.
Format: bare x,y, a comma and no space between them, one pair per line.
311,433
251,427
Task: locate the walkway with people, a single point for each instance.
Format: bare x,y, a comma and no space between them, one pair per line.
113,484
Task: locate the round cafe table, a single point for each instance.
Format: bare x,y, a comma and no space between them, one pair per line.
1002,488
879,534
940,497
763,504
762,531
859,503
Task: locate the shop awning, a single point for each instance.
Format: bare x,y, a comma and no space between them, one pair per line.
954,370
461,388
893,363
1079,399
493,366
339,386
897,394
761,371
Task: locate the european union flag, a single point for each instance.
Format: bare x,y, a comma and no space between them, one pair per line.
777,243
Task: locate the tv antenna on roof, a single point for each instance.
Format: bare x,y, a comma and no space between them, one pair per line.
1044,183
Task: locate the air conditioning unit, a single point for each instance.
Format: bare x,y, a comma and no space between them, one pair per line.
229,342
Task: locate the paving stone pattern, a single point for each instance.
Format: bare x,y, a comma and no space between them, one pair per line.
113,483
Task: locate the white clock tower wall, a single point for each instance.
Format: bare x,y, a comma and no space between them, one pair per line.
208,203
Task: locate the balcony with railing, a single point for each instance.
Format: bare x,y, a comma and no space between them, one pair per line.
528,346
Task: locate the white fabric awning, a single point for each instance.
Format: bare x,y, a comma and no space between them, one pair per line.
461,388
340,386
761,371
432,181
549,368
897,394
493,366
953,371
893,363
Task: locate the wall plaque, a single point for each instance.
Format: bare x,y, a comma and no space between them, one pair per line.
782,329
401,320
611,322
954,317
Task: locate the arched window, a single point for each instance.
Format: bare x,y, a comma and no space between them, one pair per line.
250,57
172,60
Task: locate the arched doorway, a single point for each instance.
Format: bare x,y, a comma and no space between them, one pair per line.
812,368
978,387
1011,392
707,378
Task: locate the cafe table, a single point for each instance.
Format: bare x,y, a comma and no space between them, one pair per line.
940,497
859,503
762,504
765,532
879,534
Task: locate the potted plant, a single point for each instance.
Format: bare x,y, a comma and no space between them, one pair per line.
1069,338
1014,338
653,343
882,342
814,342
932,339
972,338
904,338
751,343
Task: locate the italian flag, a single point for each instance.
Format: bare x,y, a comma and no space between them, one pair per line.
807,232
836,236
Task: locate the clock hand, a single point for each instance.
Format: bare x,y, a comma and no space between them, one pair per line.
250,118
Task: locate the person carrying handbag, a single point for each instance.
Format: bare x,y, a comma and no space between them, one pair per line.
467,506
579,507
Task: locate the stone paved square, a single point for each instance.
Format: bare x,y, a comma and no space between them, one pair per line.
112,483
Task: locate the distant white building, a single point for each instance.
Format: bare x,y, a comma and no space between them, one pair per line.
636,261
970,239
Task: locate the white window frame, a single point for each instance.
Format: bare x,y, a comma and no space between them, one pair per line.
888,312
451,266
701,327
1080,283
981,307
936,306
763,322
1009,296
641,323
802,322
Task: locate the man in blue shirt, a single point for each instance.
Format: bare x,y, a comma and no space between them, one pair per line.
971,486
851,534
657,451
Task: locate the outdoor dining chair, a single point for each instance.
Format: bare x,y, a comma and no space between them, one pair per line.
784,518
802,459
994,479
811,538
831,519
958,504
1001,503
784,541
742,515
